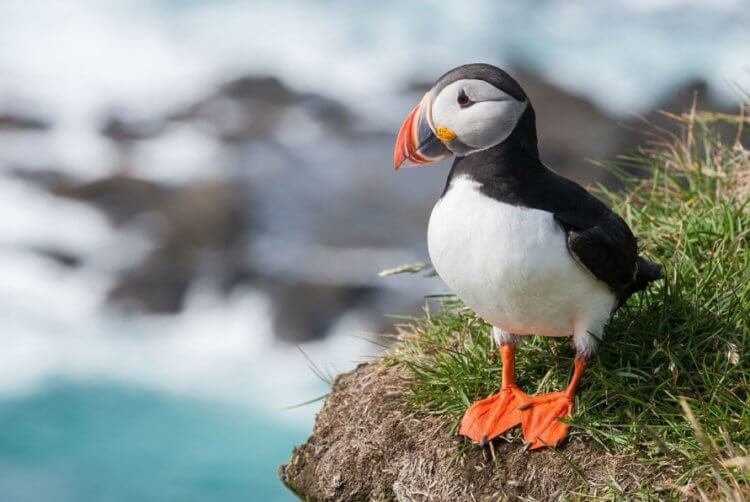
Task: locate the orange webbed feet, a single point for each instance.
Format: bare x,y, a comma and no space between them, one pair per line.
544,416
490,417
543,420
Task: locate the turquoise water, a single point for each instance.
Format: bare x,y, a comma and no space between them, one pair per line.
112,443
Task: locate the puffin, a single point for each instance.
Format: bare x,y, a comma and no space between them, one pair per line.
530,251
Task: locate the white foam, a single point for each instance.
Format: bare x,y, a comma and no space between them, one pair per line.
216,349
31,216
182,153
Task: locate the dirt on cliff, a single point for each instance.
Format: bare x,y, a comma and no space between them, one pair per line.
368,445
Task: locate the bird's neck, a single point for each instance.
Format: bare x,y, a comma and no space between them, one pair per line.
514,160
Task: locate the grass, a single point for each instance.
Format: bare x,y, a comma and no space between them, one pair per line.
672,379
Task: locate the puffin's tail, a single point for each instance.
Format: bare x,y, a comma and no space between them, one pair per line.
646,272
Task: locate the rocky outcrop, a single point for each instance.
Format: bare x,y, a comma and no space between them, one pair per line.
368,445
252,108
199,228
12,121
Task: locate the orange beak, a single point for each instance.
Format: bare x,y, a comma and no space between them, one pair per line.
417,143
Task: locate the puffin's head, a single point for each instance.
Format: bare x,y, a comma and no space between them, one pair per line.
471,108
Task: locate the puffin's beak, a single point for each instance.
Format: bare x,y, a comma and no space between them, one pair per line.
416,143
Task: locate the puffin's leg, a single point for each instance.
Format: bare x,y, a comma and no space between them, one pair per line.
490,417
542,424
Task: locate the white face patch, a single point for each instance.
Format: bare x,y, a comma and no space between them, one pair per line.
487,119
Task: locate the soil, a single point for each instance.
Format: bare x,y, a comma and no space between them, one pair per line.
368,445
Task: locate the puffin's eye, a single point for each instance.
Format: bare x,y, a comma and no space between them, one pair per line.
463,100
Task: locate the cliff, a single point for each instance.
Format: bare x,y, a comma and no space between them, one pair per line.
662,411
368,445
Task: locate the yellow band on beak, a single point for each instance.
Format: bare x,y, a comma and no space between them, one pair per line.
445,134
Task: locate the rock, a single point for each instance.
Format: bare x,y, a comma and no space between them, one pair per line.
121,129
51,180
368,445
206,215
157,285
11,121
120,197
59,256
200,229
305,311
203,232
252,108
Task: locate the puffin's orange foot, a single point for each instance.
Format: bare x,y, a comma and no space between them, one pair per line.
488,418
542,424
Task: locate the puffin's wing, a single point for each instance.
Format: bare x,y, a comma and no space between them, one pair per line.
597,238
607,249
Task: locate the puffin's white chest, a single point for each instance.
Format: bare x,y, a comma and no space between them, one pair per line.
511,264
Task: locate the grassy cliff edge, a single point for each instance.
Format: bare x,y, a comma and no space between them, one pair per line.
663,412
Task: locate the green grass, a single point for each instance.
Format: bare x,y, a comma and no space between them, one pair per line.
672,378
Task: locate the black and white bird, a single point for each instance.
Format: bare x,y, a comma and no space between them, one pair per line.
529,251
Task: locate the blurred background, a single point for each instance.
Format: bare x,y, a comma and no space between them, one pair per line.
194,190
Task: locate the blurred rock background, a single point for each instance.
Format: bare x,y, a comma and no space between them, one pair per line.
310,223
